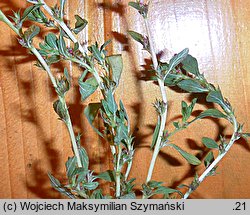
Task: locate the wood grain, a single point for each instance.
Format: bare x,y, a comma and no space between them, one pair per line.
33,141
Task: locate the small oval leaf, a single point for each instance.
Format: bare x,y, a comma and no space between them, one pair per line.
209,143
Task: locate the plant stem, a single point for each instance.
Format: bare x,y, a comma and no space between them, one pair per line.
218,159
63,25
8,22
44,64
164,99
71,133
118,173
53,80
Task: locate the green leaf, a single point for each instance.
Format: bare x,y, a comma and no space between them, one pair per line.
212,113
108,175
30,33
209,143
154,184
116,65
128,196
177,59
59,108
209,159
91,185
104,45
123,110
71,166
155,134
84,158
97,194
90,112
177,125
121,133
190,64
112,106
135,5
29,10
137,37
62,46
187,110
172,79
141,8
191,86
88,87
81,174
246,135
51,39
80,24
189,157
55,183
166,191
96,53
216,97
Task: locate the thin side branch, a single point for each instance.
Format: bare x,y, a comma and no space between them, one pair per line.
218,159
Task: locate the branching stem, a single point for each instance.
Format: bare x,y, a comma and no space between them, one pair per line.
63,25
218,159
53,80
164,99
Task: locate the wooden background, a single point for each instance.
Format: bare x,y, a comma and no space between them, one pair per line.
33,141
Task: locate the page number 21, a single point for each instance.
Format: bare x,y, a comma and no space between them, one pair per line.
239,206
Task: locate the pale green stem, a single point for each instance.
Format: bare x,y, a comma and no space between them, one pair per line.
47,69
218,159
8,22
128,169
118,173
164,99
